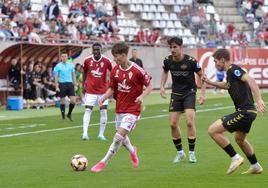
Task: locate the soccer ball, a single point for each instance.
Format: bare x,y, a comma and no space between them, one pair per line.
79,162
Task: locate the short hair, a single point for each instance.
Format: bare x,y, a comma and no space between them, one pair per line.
222,53
120,48
176,40
97,44
64,52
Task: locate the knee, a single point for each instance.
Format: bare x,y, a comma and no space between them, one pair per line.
118,138
190,124
211,131
173,122
173,126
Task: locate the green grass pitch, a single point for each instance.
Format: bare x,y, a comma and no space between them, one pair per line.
36,147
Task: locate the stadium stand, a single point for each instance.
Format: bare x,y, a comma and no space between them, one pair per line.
75,21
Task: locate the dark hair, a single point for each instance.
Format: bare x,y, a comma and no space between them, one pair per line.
176,40
222,53
64,52
97,44
120,48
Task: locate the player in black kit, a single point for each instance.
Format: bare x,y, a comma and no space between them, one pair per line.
182,68
239,85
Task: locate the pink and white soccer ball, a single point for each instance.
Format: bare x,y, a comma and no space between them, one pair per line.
79,162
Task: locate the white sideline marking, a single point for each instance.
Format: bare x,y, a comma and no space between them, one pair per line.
109,122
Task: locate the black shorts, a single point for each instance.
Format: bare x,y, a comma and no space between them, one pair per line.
178,103
66,89
239,121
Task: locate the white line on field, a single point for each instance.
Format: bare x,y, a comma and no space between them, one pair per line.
109,122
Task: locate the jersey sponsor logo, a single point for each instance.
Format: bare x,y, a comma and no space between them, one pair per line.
180,73
183,67
123,87
96,73
237,73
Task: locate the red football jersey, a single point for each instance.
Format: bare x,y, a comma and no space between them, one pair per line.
128,85
96,74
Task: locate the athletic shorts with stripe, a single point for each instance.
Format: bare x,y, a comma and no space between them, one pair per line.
239,120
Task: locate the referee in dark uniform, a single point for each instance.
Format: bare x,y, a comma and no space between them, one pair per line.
240,87
64,73
182,68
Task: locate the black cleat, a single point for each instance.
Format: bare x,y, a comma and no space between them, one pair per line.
69,116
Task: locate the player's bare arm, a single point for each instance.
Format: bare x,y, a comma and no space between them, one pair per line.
109,92
221,85
74,80
164,78
146,92
57,83
256,92
202,97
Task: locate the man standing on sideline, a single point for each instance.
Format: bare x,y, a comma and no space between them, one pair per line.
182,68
96,68
127,82
65,81
135,58
240,87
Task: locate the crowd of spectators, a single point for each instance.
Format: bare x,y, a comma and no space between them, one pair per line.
85,21
88,20
253,13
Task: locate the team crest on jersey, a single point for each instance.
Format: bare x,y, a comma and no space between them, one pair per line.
183,67
96,73
101,64
123,87
116,74
130,74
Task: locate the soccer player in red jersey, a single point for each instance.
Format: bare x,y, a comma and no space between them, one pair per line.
96,68
127,83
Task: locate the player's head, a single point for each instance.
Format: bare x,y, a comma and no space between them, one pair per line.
64,56
96,50
120,52
14,61
134,53
175,45
77,66
221,56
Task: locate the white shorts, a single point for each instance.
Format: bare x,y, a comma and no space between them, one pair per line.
93,100
126,121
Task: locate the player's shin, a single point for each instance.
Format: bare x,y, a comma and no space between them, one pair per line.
117,142
127,144
86,120
103,122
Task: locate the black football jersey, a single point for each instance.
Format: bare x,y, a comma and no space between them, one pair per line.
182,73
239,90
